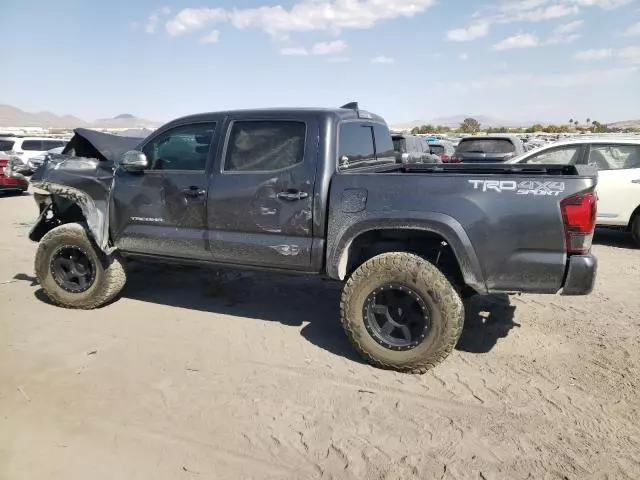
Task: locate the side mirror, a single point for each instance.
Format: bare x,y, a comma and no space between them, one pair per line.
134,161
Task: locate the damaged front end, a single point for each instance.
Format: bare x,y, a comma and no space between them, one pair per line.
75,186
73,189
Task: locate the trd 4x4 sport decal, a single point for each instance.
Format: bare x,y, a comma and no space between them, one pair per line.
527,187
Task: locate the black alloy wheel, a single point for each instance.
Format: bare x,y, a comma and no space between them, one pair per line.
73,269
396,317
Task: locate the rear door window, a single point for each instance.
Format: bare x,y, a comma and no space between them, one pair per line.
558,156
265,146
615,157
486,145
6,145
32,145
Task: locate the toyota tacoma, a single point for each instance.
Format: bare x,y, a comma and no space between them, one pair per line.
318,192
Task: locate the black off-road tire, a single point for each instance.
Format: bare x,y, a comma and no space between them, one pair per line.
438,294
110,275
635,229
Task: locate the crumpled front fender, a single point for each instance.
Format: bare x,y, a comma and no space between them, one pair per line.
83,181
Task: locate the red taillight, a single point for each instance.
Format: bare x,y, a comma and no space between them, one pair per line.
455,159
579,216
445,158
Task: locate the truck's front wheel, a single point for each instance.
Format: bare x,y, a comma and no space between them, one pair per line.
73,272
401,312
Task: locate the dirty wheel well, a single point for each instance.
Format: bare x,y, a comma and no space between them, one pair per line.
64,211
428,245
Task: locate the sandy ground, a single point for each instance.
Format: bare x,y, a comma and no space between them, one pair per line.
197,375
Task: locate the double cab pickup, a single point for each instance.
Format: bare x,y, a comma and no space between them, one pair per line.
317,192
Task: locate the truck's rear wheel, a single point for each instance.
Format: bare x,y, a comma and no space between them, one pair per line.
401,312
73,272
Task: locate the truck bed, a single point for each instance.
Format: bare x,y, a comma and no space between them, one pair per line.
503,222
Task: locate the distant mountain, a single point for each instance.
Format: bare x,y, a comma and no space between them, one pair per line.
14,117
625,124
454,121
125,120
11,116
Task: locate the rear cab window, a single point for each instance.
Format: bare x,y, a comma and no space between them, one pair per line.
364,144
385,151
486,145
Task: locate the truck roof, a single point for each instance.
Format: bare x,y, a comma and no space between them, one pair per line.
347,112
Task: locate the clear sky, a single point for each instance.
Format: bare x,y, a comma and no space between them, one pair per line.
404,59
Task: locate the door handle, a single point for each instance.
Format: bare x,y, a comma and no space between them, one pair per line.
292,196
193,192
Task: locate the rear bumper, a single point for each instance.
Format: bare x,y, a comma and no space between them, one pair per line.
581,275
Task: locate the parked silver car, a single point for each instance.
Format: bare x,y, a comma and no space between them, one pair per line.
413,149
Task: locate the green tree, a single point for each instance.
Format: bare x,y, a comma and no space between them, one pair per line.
470,125
571,121
598,127
415,130
588,120
535,128
576,123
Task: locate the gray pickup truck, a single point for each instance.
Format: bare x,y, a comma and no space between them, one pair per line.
317,192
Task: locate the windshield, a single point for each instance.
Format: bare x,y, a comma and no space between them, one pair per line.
6,145
486,145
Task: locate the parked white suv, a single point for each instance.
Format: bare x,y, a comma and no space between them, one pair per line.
618,163
24,148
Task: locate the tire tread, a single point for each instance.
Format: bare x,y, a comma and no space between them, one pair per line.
114,273
430,275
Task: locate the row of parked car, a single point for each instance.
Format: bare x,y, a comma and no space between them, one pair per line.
23,155
617,159
421,149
